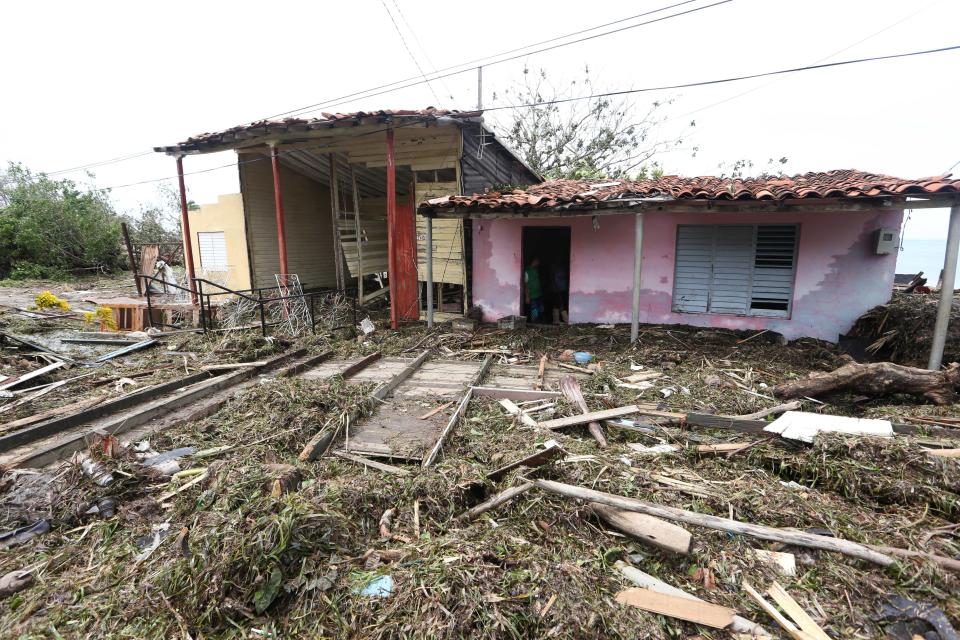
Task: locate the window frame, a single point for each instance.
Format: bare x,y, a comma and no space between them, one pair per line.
749,313
226,262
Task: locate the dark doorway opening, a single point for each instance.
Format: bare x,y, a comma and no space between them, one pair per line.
546,271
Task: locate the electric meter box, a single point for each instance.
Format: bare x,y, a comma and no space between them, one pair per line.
886,241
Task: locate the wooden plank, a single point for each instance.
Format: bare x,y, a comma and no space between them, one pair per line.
943,453
435,410
359,365
36,373
705,613
388,387
795,611
593,416
373,464
653,531
514,410
455,418
785,624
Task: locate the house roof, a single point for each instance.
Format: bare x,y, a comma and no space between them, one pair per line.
303,126
561,195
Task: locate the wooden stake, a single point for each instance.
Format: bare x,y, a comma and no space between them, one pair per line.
494,502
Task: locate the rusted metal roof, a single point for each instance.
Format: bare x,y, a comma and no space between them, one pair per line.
572,194
211,141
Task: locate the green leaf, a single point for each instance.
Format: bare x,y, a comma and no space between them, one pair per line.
263,598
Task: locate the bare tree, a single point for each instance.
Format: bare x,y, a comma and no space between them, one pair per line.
571,132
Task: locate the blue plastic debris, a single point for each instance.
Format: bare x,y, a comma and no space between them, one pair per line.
583,357
379,587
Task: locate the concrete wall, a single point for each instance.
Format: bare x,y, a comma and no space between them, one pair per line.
226,215
839,276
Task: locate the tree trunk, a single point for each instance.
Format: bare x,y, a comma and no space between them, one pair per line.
878,379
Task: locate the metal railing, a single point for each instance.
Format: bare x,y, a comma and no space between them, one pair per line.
261,298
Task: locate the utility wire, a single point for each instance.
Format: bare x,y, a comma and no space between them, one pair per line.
409,52
701,83
423,50
380,90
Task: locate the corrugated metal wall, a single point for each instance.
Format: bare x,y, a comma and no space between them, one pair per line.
306,205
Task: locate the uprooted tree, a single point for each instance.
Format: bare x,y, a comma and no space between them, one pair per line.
572,132
878,379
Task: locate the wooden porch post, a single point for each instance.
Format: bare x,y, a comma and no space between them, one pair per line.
392,271
335,219
430,272
358,230
946,290
637,262
187,239
278,205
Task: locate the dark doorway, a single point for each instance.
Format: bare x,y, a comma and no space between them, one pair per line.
546,270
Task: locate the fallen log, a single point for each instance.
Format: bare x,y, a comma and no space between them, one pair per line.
762,532
654,531
878,379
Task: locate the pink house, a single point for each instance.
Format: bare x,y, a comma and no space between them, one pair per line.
803,255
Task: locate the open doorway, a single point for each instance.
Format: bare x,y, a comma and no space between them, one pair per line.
546,274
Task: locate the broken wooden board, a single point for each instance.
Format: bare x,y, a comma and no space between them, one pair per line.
705,613
722,448
592,416
653,531
9,383
533,460
373,464
515,411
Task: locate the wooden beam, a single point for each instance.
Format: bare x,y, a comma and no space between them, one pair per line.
373,464
359,365
514,394
593,416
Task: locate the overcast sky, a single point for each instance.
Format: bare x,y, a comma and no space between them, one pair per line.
91,81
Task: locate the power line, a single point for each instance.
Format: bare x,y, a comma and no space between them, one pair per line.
393,86
409,52
367,94
704,83
423,50
625,92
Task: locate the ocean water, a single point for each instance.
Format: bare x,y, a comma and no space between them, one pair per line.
923,255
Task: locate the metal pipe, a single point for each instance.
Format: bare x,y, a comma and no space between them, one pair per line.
392,272
946,290
263,319
637,263
429,272
278,206
203,317
185,224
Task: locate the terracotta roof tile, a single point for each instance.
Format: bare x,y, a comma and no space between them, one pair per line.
572,193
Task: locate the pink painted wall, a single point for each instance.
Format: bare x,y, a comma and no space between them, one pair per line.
839,277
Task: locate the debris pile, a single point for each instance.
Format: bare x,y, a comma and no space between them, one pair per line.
900,331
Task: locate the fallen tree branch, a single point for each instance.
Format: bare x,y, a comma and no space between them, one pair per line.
494,502
762,532
772,411
878,379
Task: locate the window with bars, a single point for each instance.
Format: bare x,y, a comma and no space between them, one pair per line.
735,269
213,250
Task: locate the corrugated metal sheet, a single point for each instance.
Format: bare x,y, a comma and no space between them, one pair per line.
306,205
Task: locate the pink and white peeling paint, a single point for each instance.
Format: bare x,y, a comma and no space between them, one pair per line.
839,276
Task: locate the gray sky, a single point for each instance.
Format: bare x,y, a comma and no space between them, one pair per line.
91,81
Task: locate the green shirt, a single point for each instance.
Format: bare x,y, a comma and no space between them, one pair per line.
532,277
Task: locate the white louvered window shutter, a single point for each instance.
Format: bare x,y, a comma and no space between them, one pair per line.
735,269
213,250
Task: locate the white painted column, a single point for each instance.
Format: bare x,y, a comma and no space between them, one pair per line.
637,262
946,290
429,272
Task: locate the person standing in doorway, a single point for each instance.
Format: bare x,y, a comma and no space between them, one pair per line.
559,291
533,292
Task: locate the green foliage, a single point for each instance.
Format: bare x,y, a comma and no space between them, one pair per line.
745,168
49,228
159,221
567,132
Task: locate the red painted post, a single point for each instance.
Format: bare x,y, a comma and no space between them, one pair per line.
187,240
278,204
393,273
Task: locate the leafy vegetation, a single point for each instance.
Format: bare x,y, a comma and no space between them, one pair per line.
54,228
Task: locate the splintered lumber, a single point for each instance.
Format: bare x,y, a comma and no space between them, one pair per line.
647,581
533,460
435,410
772,411
541,371
514,410
793,609
591,416
36,373
725,447
878,379
762,532
122,351
942,453
654,531
785,624
501,498
705,613
571,390
373,464
514,394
